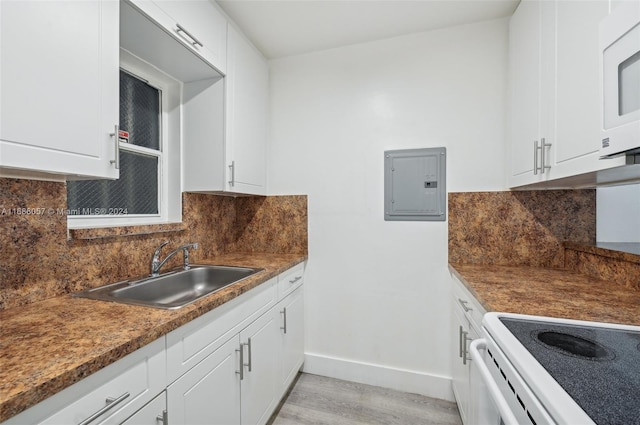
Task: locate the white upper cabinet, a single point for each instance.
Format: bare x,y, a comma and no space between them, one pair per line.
225,125
246,129
555,101
524,77
58,88
195,23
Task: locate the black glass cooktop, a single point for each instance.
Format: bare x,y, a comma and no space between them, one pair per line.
598,367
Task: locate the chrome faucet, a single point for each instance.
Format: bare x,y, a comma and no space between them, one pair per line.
156,264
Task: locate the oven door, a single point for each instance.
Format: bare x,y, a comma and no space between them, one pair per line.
491,407
507,398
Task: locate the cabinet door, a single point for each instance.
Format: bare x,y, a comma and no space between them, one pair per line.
210,392
259,387
199,20
460,371
524,73
59,86
247,89
291,310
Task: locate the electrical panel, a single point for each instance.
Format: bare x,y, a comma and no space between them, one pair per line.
415,185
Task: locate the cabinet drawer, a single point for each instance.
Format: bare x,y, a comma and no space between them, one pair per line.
132,381
472,308
290,280
191,343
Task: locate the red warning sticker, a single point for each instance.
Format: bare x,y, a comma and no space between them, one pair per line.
123,136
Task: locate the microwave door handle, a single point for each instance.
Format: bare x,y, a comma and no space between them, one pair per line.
478,359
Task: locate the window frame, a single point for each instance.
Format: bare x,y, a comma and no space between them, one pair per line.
169,163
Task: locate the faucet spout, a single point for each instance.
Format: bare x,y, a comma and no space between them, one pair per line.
156,264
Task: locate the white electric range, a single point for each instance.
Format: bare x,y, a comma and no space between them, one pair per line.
541,370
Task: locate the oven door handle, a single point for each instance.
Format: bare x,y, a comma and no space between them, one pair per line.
503,407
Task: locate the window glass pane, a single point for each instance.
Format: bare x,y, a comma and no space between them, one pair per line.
140,111
135,192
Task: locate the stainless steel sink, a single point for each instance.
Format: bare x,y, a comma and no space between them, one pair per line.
171,290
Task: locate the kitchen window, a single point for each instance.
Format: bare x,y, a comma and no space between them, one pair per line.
148,190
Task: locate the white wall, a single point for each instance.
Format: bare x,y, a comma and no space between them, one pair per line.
618,214
378,293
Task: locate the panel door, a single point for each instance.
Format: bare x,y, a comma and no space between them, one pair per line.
59,86
247,90
460,371
291,310
259,388
201,21
210,392
524,73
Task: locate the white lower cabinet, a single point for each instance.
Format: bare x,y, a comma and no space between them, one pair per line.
291,310
260,344
210,392
466,325
233,365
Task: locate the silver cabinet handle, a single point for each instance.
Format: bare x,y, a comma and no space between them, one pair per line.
241,371
164,418
116,141
460,341
232,168
284,312
248,344
242,363
465,353
543,166
194,41
464,305
297,278
535,157
111,403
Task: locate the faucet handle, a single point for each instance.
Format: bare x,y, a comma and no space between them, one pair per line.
156,254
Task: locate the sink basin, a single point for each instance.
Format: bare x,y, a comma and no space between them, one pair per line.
171,290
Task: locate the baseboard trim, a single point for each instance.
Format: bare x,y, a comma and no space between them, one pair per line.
410,381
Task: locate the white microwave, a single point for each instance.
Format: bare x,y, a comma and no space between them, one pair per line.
620,48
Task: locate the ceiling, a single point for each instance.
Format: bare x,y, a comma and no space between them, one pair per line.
282,28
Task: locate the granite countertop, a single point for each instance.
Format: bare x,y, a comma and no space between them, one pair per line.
47,346
549,292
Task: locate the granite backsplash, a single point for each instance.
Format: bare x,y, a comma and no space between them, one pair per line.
523,228
39,261
550,228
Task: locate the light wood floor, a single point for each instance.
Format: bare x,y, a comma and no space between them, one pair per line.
319,400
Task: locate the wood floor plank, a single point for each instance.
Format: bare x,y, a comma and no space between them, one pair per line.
318,400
